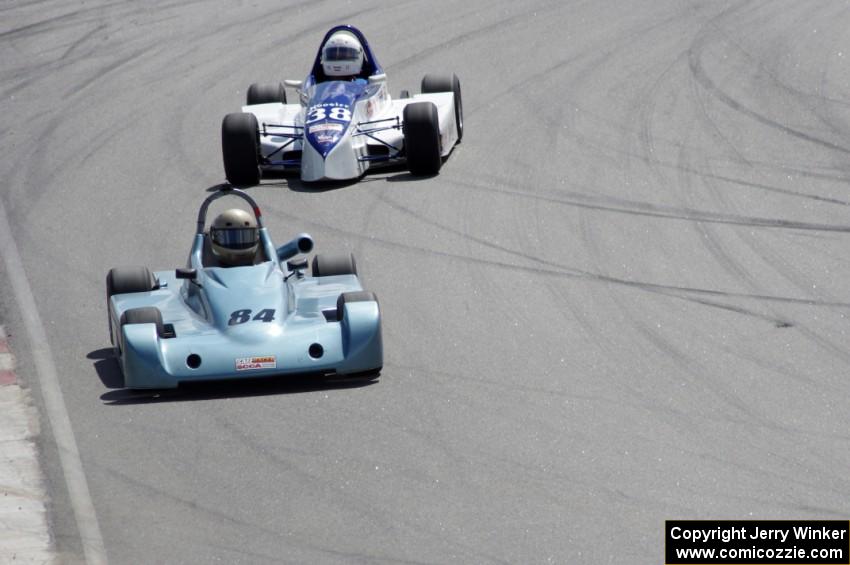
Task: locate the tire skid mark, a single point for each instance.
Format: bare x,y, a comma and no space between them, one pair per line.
611,349
497,461
686,363
519,87
624,206
545,267
762,471
702,77
318,29
498,180
43,26
81,41
108,69
362,505
787,271
646,115
775,320
21,78
708,236
464,37
597,54
192,505
551,125
763,68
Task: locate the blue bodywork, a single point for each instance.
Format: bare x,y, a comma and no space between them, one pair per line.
250,321
329,113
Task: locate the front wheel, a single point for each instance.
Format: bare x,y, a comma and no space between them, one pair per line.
240,149
422,138
124,280
265,94
330,265
446,83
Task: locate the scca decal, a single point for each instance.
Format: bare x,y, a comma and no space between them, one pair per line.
253,363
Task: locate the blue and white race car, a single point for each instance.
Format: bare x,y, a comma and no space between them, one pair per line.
243,308
345,122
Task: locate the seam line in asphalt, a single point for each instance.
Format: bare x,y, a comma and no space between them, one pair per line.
54,403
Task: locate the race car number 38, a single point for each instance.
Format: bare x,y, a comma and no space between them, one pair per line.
338,113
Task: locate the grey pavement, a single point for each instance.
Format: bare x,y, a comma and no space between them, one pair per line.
623,299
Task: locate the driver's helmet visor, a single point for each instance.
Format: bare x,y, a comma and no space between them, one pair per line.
235,238
341,53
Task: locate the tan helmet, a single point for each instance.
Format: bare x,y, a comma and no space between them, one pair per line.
234,237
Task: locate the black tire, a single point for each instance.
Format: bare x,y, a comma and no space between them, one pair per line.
121,280
331,265
265,94
358,296
240,148
354,378
446,83
143,315
422,142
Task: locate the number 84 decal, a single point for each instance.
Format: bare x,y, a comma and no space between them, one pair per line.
241,316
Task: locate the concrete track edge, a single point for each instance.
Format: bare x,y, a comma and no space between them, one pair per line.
54,403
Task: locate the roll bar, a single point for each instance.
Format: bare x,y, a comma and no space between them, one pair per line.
227,190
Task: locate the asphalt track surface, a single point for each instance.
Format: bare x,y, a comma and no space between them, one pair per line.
623,300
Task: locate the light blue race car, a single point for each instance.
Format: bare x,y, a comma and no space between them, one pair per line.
243,308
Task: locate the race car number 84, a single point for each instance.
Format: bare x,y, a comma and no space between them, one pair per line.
242,316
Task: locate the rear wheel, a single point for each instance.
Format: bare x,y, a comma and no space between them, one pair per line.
330,265
357,296
446,83
355,378
123,280
422,138
240,148
143,315
265,94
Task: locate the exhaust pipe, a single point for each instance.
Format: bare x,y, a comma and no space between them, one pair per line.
302,243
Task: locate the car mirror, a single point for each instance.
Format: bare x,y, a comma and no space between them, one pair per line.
374,79
293,83
190,274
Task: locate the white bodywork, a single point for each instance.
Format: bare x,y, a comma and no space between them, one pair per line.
349,158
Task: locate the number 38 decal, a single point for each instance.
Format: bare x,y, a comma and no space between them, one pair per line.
335,113
242,316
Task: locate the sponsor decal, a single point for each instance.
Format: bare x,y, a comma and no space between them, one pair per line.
325,127
254,363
